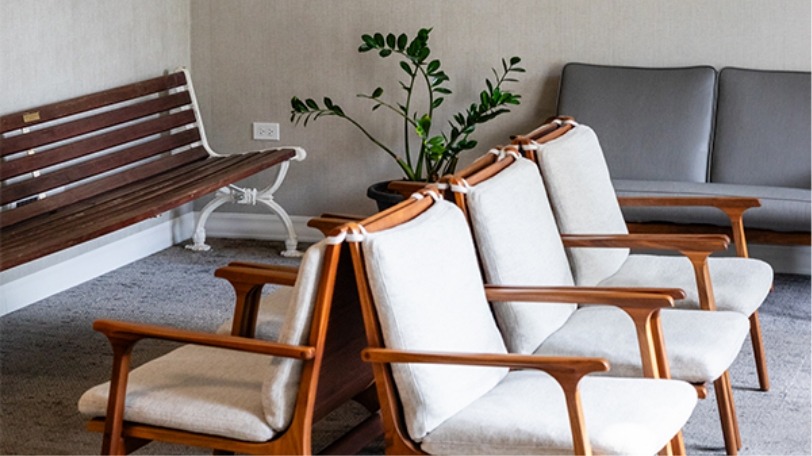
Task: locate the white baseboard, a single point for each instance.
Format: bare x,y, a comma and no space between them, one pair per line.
18,291
63,270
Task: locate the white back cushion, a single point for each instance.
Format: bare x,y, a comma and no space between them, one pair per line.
281,387
429,296
519,244
584,200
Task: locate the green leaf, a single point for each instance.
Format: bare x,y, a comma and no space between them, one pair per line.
368,40
437,102
483,99
423,54
377,93
385,52
406,67
433,66
364,48
391,40
338,111
442,90
311,103
376,106
402,41
514,60
379,40
328,103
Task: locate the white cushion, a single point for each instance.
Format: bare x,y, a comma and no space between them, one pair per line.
519,244
248,385
526,414
700,345
280,389
584,200
739,284
429,296
271,315
197,389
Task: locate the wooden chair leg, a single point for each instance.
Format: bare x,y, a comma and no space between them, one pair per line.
759,353
678,444
723,395
733,415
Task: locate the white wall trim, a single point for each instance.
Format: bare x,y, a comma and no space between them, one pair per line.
20,290
28,289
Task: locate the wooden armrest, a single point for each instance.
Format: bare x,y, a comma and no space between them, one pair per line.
625,297
679,242
721,202
255,273
565,365
265,266
133,332
347,217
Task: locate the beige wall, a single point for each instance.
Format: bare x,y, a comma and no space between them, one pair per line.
250,56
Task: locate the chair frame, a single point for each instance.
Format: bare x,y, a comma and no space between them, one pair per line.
567,371
121,437
696,247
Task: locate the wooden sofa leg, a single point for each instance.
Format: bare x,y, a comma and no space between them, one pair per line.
759,353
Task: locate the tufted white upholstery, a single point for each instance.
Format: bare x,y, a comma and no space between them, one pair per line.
223,392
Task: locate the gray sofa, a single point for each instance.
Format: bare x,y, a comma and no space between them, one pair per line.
696,131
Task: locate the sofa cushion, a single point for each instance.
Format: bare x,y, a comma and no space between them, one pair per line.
518,243
526,414
762,129
700,345
654,123
739,284
428,292
197,389
782,209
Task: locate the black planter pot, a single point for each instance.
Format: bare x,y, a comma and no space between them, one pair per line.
383,197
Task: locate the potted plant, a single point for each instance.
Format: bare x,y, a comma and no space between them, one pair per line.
424,156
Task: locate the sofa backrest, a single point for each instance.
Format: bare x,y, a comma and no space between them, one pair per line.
653,123
762,128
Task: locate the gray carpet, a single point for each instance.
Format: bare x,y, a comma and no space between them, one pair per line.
49,356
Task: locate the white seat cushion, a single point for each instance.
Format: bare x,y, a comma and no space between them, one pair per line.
584,200
526,414
197,389
271,315
428,292
739,284
700,345
176,377
518,244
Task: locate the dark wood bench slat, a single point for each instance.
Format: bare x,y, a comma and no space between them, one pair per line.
97,187
190,175
99,165
140,210
67,130
53,111
95,144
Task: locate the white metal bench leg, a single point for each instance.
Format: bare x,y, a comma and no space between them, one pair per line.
239,195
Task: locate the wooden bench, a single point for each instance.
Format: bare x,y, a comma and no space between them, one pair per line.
81,168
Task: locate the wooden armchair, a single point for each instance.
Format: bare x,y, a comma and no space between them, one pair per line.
234,393
581,192
445,380
519,244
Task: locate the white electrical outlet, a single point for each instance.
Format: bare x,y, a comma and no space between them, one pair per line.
266,131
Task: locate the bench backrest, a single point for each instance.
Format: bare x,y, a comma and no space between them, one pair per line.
762,128
66,152
653,123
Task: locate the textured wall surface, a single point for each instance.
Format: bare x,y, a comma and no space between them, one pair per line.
250,56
